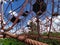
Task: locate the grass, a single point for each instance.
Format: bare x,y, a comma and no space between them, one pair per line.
50,41
10,41
35,33
52,34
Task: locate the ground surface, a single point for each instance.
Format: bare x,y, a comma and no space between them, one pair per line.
10,42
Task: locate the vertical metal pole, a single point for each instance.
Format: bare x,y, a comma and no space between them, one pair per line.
1,17
51,18
38,26
1,13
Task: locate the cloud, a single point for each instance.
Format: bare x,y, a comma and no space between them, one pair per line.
13,13
29,22
4,1
58,17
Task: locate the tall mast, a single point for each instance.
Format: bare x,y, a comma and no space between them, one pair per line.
1,13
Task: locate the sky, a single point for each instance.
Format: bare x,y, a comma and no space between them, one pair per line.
18,3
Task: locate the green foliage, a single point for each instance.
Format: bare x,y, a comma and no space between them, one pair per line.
34,32
50,41
34,27
52,34
10,41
